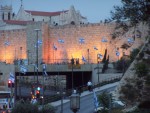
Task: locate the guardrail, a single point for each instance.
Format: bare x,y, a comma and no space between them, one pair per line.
80,89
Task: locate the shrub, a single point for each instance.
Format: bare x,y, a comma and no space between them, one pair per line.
129,92
122,64
134,54
47,109
105,55
141,69
26,107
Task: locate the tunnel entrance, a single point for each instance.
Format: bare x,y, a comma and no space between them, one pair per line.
79,79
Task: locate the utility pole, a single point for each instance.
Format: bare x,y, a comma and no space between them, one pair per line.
109,96
37,30
72,63
98,68
20,63
88,55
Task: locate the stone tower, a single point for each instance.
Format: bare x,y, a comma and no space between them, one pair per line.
6,12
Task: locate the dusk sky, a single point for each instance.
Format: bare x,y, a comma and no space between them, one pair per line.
94,10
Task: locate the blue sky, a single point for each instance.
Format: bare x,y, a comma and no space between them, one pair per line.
94,10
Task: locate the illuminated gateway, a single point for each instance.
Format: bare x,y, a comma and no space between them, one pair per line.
56,38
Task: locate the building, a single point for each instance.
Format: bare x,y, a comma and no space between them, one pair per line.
65,17
55,38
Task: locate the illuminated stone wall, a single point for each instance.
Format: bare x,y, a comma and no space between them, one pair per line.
16,48
92,33
71,48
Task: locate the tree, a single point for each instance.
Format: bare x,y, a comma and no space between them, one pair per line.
122,64
47,109
134,11
130,92
141,69
105,65
134,54
27,107
105,55
131,13
104,100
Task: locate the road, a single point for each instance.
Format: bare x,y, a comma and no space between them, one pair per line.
86,103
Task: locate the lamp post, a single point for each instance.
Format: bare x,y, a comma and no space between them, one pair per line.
61,93
88,54
20,63
98,66
37,30
75,102
99,57
72,63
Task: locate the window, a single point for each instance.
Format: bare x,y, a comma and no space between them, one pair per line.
3,16
9,16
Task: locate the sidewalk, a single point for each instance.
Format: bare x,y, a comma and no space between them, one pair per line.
85,93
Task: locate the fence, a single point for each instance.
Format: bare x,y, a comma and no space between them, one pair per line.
80,89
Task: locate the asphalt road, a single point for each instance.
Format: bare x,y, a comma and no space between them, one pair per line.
86,103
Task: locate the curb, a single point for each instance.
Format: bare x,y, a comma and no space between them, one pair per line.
85,93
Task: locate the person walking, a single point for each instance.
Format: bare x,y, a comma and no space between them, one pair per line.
89,84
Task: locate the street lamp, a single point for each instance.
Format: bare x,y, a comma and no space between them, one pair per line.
99,58
37,30
61,93
72,63
75,102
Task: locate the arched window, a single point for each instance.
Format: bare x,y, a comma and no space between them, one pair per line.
9,16
13,14
72,23
3,16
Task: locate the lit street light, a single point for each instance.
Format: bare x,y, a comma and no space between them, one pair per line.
99,58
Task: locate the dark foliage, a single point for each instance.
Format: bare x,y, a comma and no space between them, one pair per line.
132,10
105,65
141,69
122,64
144,105
27,107
134,54
105,55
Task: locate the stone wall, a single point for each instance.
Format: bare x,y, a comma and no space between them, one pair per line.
92,33
5,70
16,48
32,37
71,48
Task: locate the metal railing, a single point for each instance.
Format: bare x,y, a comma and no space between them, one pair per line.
80,89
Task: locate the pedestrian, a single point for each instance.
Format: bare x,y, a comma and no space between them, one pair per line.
89,84
74,91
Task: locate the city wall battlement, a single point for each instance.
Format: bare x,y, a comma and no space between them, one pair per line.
22,42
